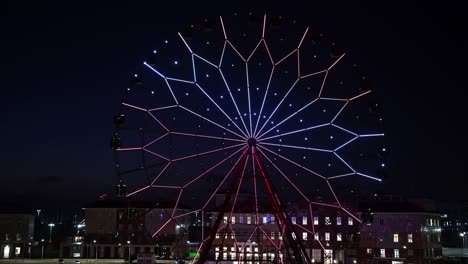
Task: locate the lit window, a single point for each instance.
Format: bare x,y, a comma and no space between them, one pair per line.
216,248
327,220
369,251
304,220
232,236
395,237
293,219
272,235
430,222
216,255
316,221
264,219
217,235
224,255
225,219
382,252
233,220
304,236
338,237
264,256
256,249
350,220
241,219
327,236
280,237
410,238
272,220
249,220
338,220
316,236
248,249
396,253
232,248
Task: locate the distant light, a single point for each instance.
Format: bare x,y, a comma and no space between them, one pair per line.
152,92
94,241
176,62
290,105
382,165
331,137
166,41
384,149
155,51
238,89
300,120
136,75
221,97
305,138
186,94
51,224
258,88
128,241
207,75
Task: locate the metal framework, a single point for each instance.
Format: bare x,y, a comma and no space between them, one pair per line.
245,136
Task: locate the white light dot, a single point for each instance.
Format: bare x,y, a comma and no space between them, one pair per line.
166,41
176,62
128,89
207,76
208,43
232,65
277,130
272,122
382,165
155,51
238,89
255,114
276,94
258,88
384,149
324,110
305,139
290,105
186,94
221,97
136,75
300,120
207,109
331,137
329,165
152,92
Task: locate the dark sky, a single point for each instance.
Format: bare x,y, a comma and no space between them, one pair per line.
65,66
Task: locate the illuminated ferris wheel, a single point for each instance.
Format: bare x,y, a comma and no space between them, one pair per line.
255,106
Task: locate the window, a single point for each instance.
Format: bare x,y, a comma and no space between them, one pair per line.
382,252
293,219
216,248
225,219
338,220
327,220
272,220
327,236
241,219
430,222
338,237
316,222
264,219
304,236
410,238
350,220
232,248
304,220
396,253
232,235
256,249
217,236
410,252
369,251
225,255
316,236
249,220
280,237
272,235
395,237
233,220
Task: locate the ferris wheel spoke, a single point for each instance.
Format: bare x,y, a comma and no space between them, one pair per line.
255,185
212,168
156,154
339,112
138,190
264,99
282,174
287,118
248,97
156,140
352,215
268,237
372,135
233,100
333,192
207,152
237,191
160,173
206,136
224,179
297,147
212,122
346,143
355,172
276,108
341,175
220,109
294,132
293,162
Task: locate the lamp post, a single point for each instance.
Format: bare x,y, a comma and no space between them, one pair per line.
128,243
94,242
51,225
42,254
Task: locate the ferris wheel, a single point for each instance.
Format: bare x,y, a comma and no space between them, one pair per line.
252,105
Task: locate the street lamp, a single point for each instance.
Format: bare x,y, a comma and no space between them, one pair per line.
42,254
94,242
462,235
128,242
51,225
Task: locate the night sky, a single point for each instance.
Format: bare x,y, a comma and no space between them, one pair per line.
65,66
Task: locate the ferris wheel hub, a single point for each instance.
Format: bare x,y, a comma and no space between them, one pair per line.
252,142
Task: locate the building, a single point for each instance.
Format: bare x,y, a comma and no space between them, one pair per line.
122,228
16,234
329,235
400,232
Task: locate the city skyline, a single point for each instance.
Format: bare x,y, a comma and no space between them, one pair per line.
77,62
